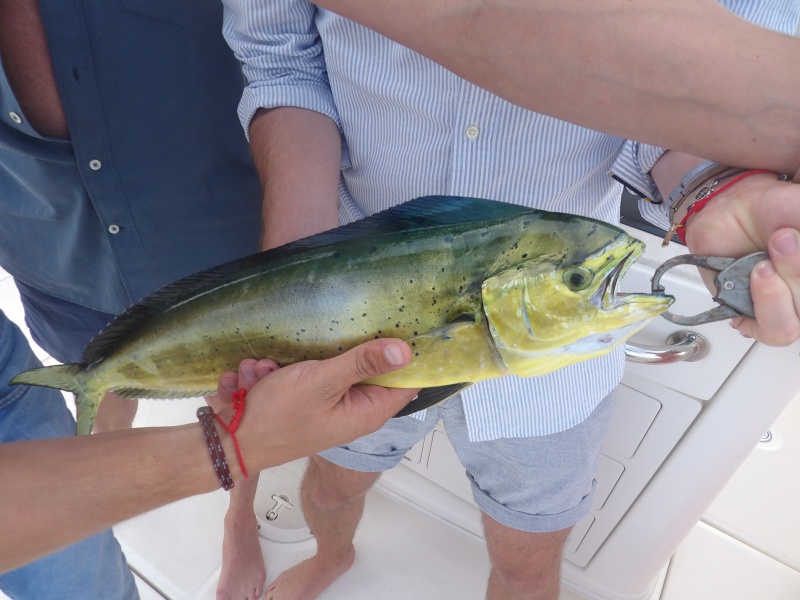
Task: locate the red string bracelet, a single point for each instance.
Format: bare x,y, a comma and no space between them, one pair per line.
696,207
238,412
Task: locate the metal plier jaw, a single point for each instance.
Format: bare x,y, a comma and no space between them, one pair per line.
732,283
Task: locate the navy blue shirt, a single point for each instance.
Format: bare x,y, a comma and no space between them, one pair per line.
156,180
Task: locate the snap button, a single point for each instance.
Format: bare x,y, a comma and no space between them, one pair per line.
113,228
95,165
15,117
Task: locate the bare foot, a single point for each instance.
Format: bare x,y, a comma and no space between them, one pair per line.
243,573
310,578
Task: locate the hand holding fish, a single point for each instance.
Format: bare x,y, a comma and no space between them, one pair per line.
313,405
66,489
758,213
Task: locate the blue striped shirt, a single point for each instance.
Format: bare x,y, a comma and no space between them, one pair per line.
412,128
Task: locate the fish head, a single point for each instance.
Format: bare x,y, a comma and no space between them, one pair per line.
557,310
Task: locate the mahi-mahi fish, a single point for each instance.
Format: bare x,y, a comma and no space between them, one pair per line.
479,289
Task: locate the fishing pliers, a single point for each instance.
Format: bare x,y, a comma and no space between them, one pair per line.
732,283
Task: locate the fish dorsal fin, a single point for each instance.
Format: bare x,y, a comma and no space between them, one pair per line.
421,213
427,212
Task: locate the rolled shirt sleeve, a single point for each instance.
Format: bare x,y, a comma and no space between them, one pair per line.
282,57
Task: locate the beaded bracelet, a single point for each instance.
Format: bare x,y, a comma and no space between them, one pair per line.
206,416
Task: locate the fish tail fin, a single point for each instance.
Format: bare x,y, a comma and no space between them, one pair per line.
66,377
60,377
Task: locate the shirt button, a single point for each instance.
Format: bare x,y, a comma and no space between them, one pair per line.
15,117
95,165
113,228
472,132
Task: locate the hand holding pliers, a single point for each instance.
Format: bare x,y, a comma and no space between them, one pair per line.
732,286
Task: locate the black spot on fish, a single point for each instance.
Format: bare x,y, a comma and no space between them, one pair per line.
414,344
373,249
303,330
340,348
416,353
415,333
363,314
525,255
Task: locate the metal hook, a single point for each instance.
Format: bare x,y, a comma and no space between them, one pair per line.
732,283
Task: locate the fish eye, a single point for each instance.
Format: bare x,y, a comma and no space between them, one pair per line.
578,278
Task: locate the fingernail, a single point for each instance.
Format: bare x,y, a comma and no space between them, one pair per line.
765,269
393,354
787,243
249,372
228,383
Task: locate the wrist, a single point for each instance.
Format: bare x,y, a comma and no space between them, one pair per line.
698,187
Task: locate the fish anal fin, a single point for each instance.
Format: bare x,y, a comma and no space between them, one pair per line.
428,397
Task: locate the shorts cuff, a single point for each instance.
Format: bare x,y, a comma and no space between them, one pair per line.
356,461
531,523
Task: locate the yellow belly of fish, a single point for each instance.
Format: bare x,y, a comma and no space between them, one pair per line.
456,354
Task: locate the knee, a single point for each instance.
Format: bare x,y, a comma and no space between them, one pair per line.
330,487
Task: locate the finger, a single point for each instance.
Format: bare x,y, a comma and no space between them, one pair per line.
266,366
226,385
776,322
373,358
784,250
252,371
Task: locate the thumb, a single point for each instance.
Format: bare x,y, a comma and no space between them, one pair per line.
370,359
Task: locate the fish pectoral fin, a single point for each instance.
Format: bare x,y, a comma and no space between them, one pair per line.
463,322
427,397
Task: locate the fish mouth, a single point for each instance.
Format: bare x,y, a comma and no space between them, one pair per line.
607,296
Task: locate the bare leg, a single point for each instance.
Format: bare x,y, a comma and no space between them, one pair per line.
525,566
115,413
243,572
333,503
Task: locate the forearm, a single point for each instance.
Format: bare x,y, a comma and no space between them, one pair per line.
92,483
298,156
685,74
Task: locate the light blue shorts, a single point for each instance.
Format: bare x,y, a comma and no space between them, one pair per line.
535,484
